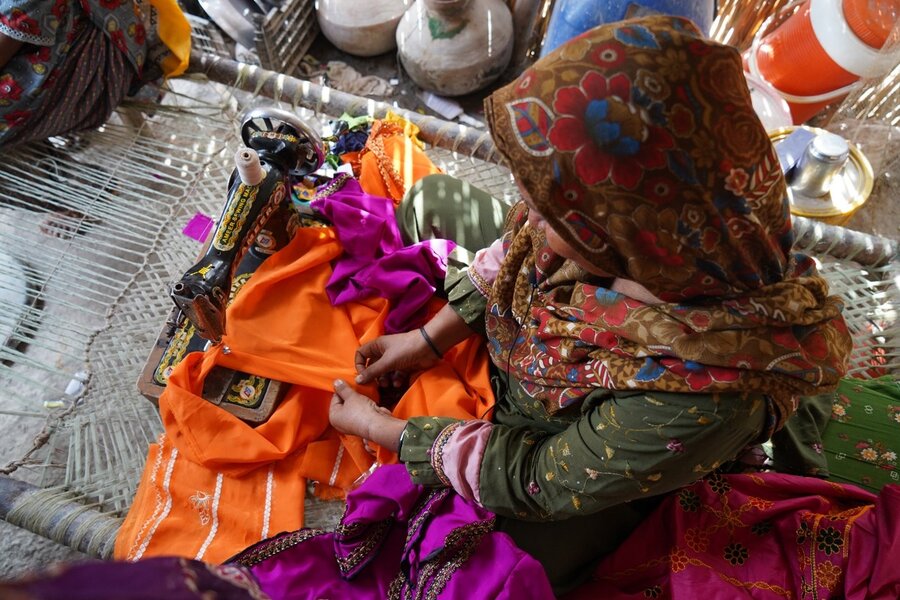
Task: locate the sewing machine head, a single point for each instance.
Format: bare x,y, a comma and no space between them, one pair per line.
279,136
279,147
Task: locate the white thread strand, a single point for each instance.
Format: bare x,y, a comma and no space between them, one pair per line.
267,511
214,528
169,468
337,466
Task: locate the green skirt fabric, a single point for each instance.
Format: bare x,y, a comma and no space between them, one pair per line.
849,436
862,439
443,207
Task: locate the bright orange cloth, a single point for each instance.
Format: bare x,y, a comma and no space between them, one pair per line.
392,160
214,484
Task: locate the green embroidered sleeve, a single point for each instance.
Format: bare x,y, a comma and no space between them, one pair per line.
625,447
797,447
416,443
465,299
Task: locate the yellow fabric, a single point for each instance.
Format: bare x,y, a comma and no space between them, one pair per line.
175,33
410,129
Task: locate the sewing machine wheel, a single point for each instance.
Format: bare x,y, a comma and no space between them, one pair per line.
275,120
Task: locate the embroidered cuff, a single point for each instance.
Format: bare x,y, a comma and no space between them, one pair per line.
480,283
437,452
418,439
485,267
461,456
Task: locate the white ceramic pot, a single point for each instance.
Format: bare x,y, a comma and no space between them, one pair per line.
454,47
361,27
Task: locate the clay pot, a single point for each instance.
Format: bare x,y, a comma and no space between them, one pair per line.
454,47
361,27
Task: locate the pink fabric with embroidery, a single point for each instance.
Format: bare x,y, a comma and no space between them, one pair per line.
766,536
485,267
462,456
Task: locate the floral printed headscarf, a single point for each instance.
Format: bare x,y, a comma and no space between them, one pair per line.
638,143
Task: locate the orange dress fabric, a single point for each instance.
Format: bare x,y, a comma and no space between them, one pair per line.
392,160
213,484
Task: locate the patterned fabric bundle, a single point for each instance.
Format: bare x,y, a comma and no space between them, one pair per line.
639,146
80,59
766,537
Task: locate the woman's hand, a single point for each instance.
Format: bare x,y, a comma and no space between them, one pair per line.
390,358
351,412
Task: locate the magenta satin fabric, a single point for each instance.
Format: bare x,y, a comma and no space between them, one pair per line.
391,530
759,537
157,578
375,262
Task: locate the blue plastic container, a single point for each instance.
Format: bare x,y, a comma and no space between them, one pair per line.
573,17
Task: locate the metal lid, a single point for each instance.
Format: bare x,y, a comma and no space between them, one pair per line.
850,186
830,148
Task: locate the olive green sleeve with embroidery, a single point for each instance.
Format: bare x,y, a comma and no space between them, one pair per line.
797,447
416,442
465,299
625,446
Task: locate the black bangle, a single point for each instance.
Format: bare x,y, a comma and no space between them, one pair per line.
430,343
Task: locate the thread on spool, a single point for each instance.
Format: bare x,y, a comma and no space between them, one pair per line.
249,169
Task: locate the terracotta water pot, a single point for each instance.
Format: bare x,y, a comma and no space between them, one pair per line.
454,47
364,28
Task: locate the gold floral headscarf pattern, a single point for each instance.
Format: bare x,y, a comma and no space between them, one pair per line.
638,143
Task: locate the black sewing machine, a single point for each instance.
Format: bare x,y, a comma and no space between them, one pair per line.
257,220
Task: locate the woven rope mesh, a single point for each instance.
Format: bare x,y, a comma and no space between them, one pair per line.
98,277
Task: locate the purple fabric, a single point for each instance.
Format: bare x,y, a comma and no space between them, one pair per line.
198,227
397,533
149,579
375,261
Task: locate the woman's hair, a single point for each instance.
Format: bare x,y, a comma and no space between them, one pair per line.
638,142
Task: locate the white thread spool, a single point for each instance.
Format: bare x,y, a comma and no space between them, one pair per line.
249,169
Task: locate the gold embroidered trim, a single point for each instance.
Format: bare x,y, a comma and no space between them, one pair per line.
421,513
435,573
332,187
372,540
481,284
437,451
270,548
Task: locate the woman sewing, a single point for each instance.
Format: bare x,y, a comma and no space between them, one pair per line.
647,321
646,317
65,65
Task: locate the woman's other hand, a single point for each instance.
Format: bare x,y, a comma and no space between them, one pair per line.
390,358
351,412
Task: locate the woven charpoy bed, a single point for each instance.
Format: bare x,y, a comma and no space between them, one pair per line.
97,290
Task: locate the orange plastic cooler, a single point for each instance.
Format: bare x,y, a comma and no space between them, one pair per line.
822,49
